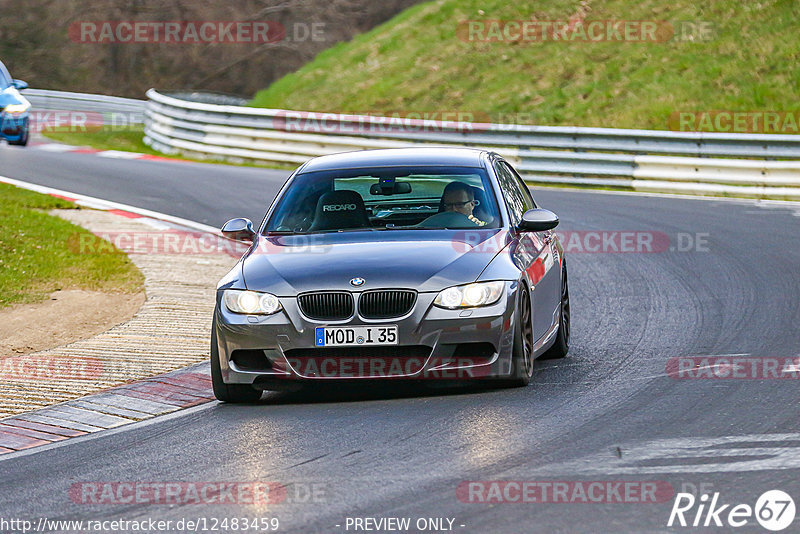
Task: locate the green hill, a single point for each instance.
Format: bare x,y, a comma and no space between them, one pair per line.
702,56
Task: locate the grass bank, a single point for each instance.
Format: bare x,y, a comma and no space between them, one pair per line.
716,55
38,252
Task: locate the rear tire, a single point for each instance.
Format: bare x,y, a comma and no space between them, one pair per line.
522,355
233,393
560,347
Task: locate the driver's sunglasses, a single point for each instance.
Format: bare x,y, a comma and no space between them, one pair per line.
454,204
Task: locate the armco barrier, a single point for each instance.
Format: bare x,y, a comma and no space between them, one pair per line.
219,127
647,160
42,99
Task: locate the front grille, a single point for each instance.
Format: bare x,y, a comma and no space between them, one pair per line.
358,362
386,304
328,306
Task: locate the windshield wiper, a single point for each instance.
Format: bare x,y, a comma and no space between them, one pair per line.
283,232
342,230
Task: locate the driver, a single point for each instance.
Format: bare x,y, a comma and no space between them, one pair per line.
458,197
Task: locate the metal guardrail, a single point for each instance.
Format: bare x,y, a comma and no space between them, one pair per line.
218,126
684,162
45,100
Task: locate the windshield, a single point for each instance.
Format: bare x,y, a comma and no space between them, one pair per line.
5,77
386,198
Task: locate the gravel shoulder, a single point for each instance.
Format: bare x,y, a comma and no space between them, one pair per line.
67,316
168,331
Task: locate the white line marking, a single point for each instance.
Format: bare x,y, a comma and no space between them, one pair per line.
119,154
99,203
155,223
731,454
56,147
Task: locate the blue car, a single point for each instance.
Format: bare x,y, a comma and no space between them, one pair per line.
14,109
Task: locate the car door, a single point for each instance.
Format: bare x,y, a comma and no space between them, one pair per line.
534,252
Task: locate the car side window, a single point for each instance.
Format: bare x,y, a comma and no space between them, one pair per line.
530,203
515,200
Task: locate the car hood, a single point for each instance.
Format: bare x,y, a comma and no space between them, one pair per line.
9,96
424,260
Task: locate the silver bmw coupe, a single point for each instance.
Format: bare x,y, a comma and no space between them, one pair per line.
414,264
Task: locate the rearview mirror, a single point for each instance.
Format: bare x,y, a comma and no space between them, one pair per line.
389,186
239,229
19,84
538,220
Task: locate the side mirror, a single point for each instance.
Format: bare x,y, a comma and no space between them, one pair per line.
538,220
239,229
19,85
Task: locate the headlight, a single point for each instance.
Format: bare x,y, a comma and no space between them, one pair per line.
470,296
251,302
16,108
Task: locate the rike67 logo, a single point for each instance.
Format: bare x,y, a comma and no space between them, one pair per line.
774,510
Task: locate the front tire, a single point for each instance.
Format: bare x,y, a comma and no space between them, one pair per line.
233,393
560,347
522,358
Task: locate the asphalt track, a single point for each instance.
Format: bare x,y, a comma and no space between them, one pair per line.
606,413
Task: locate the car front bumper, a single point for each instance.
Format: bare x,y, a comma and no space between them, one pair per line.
433,344
13,126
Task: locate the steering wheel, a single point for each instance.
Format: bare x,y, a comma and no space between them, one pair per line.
448,219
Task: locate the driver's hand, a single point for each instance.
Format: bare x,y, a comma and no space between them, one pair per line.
476,220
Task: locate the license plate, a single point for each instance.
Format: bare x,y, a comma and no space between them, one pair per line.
356,336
